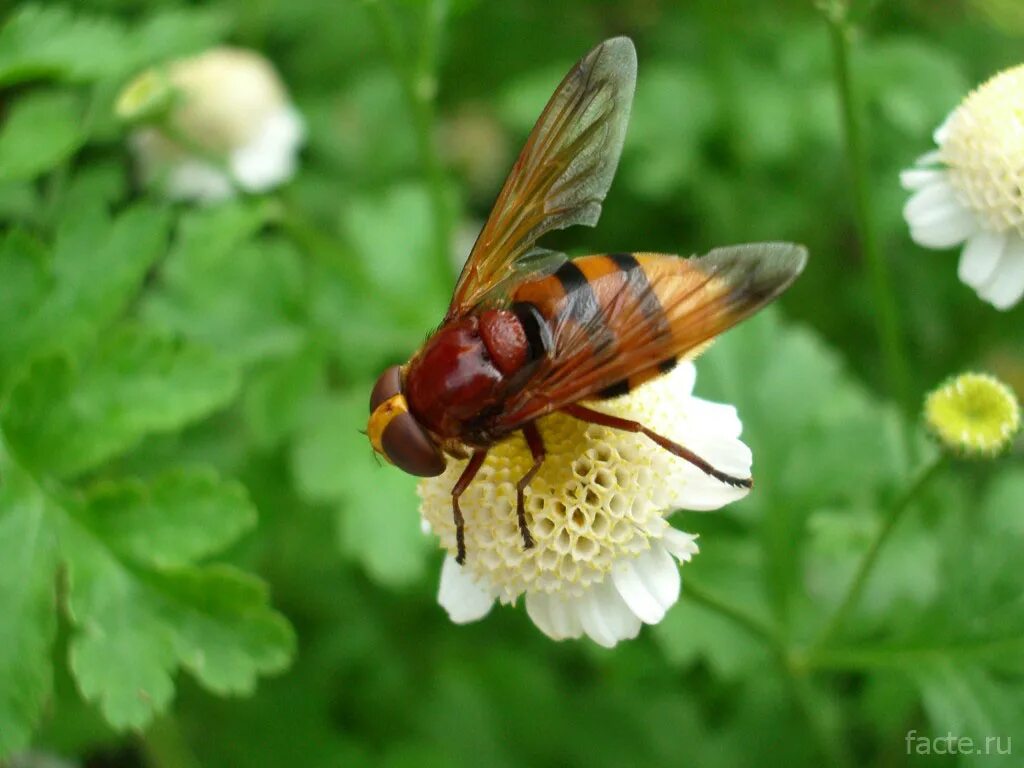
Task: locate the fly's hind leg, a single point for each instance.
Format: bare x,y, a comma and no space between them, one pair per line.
614,422
475,462
536,445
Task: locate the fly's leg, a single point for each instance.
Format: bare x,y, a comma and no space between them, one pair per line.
475,462
536,445
614,422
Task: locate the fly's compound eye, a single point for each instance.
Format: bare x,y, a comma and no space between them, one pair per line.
388,385
395,433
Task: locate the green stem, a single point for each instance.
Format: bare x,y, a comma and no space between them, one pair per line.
856,588
754,625
829,745
885,306
418,78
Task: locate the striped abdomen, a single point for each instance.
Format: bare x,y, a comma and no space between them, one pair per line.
615,321
612,300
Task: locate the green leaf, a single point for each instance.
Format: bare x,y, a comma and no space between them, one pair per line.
379,525
40,41
176,519
377,520
136,626
914,84
95,269
225,288
818,438
23,274
392,234
675,106
965,700
41,131
172,32
27,604
64,420
277,395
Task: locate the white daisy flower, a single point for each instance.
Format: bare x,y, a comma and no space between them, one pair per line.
605,559
229,126
971,190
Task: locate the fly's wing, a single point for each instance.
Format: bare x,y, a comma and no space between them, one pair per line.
609,326
563,173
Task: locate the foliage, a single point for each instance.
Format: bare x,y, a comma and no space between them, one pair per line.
202,564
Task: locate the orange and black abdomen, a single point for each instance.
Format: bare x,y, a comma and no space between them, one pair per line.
599,305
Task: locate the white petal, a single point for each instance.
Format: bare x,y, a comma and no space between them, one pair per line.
460,596
554,616
598,622
634,592
936,218
269,159
1006,286
930,158
918,178
680,544
942,132
197,180
924,203
951,228
703,493
623,623
565,617
684,377
649,584
716,419
980,257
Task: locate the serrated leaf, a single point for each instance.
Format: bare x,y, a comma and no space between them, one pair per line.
95,269
136,626
42,130
225,632
63,420
176,519
28,621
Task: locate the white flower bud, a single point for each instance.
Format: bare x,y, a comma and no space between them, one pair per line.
230,126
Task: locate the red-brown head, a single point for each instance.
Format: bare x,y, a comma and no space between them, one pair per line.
396,434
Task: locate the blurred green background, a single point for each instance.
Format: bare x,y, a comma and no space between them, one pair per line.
205,364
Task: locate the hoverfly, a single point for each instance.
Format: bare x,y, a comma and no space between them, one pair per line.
530,332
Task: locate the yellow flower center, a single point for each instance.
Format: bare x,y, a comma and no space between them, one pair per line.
983,145
600,496
974,413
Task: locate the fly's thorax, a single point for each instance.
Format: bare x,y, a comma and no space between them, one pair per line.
463,371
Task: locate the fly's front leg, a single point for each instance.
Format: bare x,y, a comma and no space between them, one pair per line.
536,445
614,422
475,462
